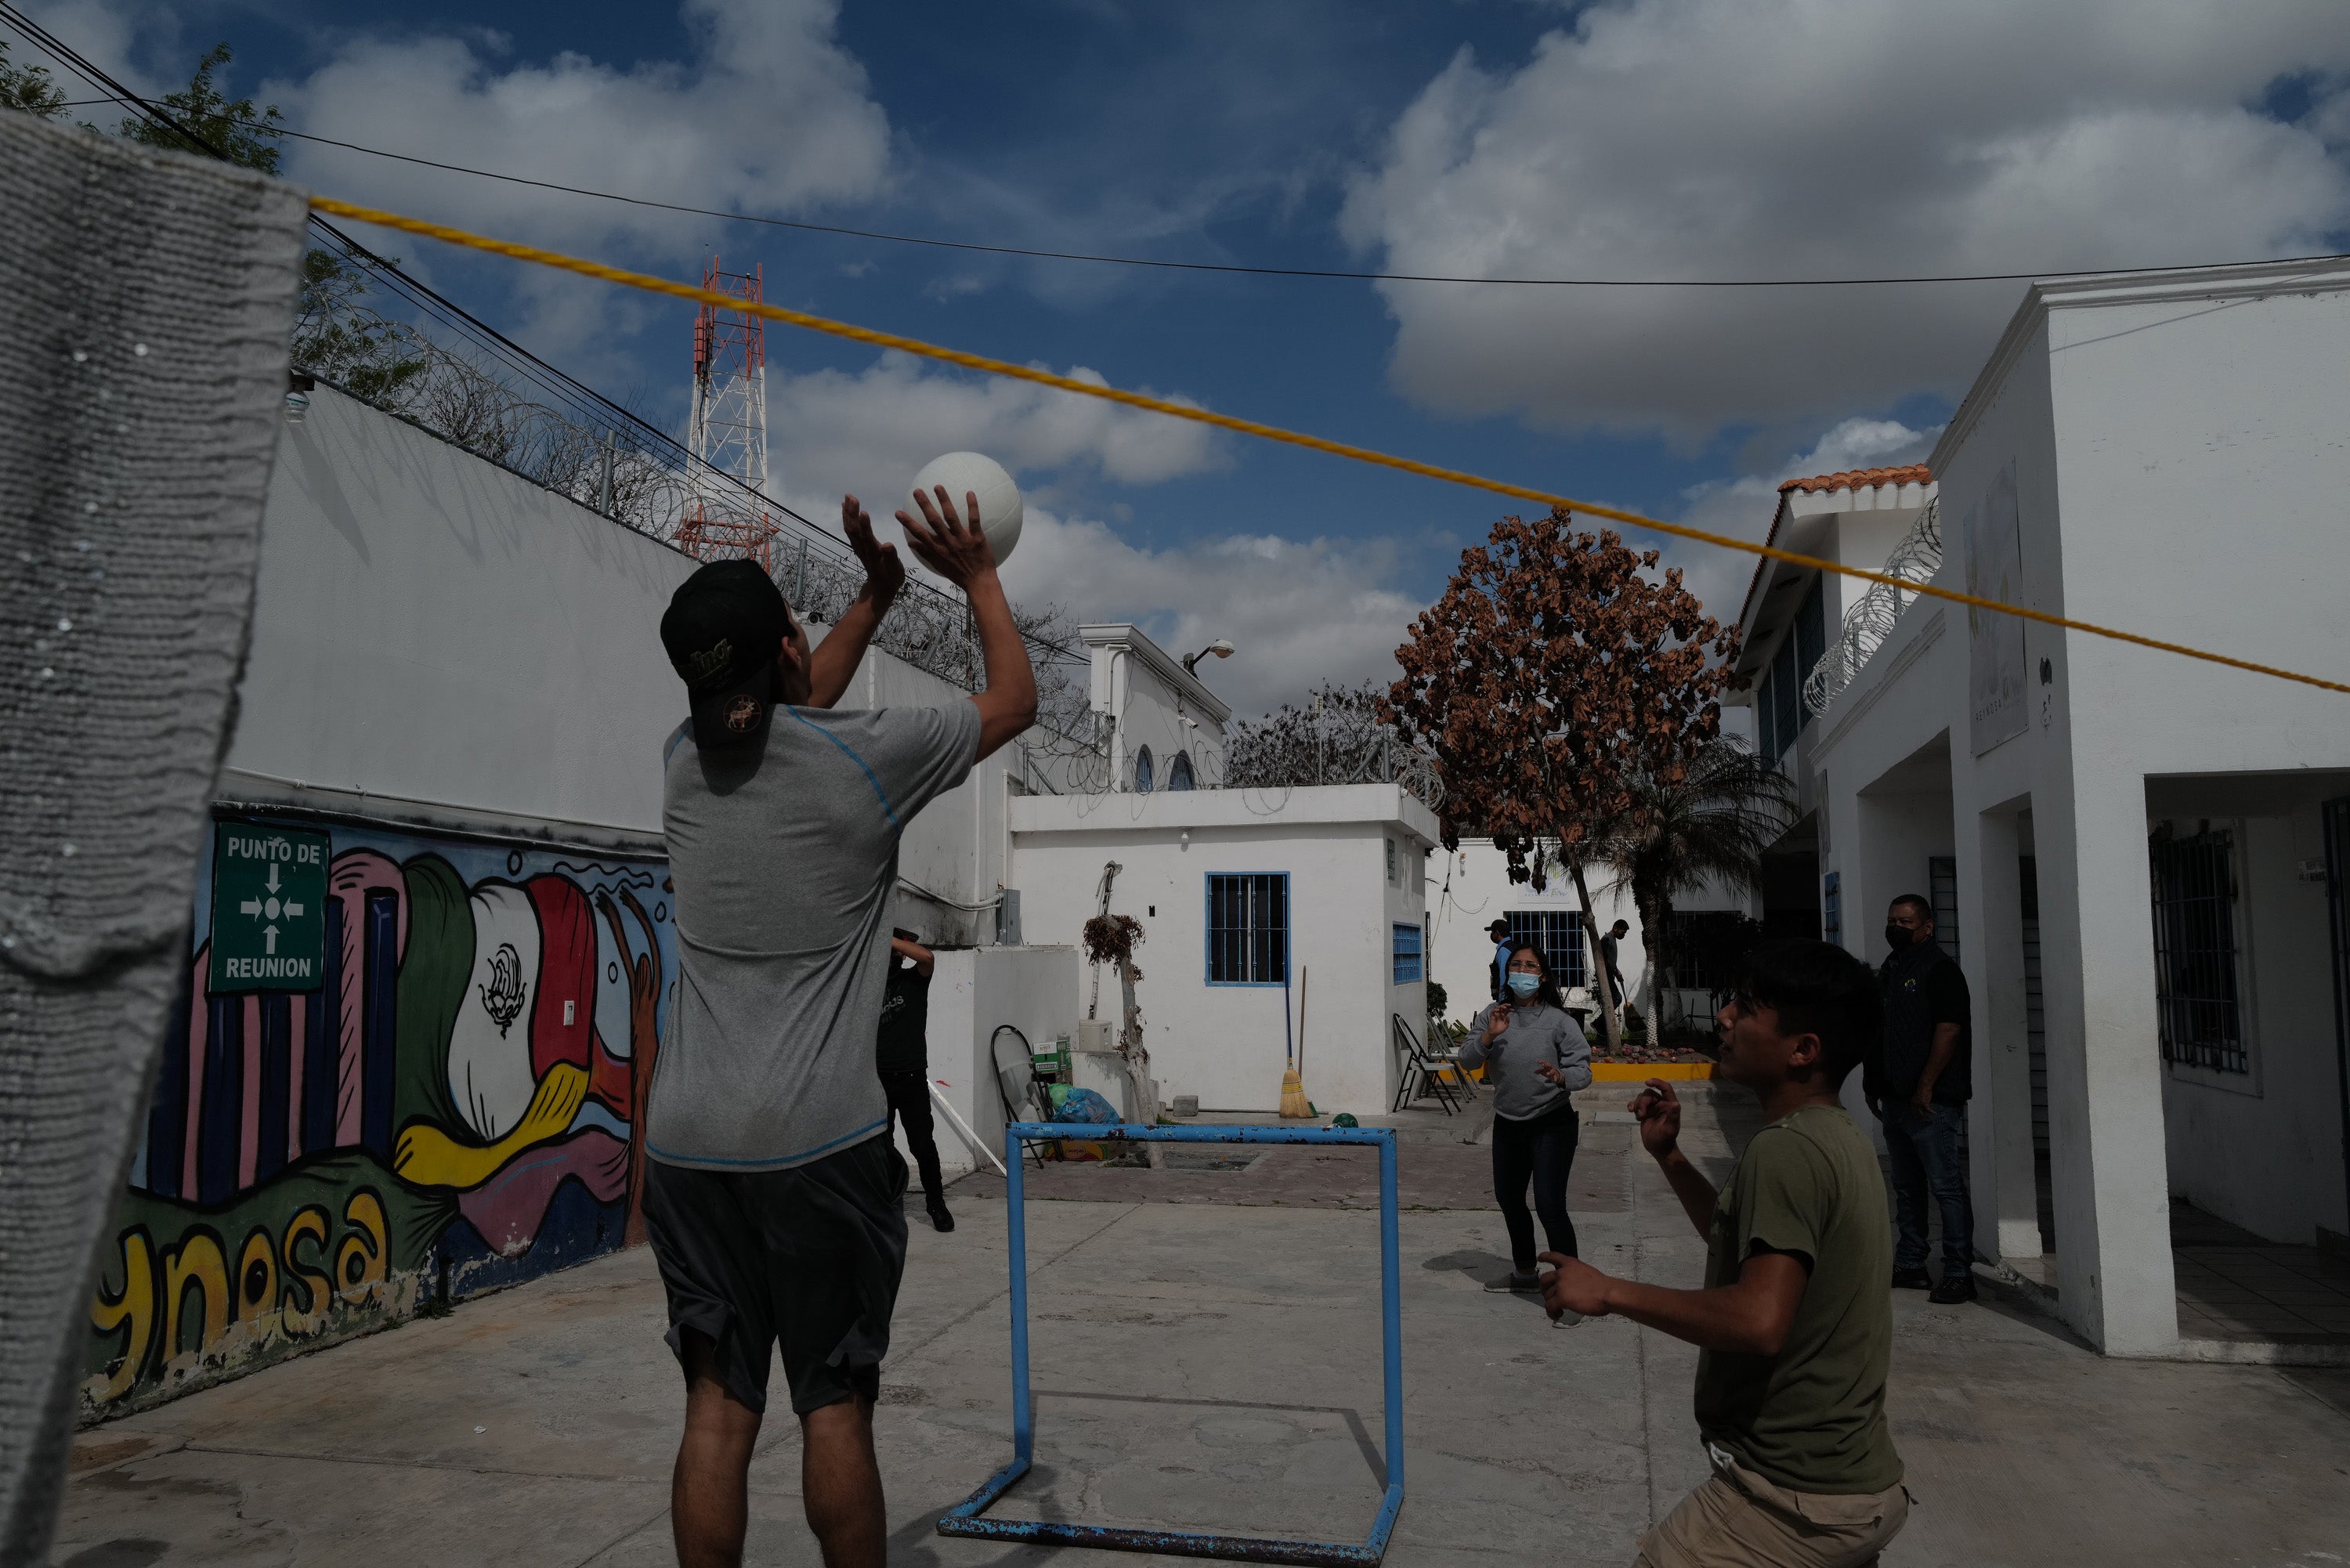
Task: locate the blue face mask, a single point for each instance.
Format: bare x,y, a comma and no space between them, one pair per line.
1526,984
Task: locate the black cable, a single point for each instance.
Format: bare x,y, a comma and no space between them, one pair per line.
1237,267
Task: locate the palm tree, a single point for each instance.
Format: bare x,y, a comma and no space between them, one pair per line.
1708,827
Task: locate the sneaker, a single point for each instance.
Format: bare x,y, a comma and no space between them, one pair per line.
1954,1287
1912,1280
940,1219
1525,1283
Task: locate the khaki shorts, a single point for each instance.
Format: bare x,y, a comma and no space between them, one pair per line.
1738,1520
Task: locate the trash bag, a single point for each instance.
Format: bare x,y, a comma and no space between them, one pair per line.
1083,1106
1345,1119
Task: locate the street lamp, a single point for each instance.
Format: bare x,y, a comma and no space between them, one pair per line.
1221,648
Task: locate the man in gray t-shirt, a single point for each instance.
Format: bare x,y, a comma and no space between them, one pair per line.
772,1194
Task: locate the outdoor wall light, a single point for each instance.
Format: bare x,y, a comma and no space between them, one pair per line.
298,387
1222,648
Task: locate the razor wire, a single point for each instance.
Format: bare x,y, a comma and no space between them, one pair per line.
1872,617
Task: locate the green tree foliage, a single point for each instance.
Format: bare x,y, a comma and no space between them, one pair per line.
28,89
339,337
231,127
1702,823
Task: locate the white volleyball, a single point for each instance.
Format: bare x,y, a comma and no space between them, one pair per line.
975,473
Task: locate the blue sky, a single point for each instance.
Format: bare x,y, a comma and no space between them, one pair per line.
1653,138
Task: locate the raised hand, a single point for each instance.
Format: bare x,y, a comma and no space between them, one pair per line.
885,574
1660,1112
951,546
1496,1021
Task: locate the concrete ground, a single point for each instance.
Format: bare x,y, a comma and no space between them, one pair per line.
1206,1357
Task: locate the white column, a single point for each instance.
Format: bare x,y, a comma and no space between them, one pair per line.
2115,1279
2007,1220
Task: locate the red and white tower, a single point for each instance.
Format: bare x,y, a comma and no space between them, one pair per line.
728,433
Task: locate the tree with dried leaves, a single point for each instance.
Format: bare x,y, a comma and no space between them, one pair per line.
1556,674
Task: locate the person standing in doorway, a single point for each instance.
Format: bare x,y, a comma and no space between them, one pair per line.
1919,1081
902,1056
1497,973
773,1198
1796,1331
1615,933
1535,1057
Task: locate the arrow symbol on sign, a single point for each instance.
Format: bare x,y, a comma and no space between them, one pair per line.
291,908
273,876
250,907
271,933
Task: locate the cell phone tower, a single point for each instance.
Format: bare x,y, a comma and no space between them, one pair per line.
728,434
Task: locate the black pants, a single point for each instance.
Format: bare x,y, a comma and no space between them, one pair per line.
909,1103
1541,1150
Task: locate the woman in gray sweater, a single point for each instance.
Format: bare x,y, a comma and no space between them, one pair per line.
1535,1057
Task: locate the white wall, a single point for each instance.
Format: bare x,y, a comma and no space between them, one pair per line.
1226,1044
428,630
1470,888
974,991
1154,703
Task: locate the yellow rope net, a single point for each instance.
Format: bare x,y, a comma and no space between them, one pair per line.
855,333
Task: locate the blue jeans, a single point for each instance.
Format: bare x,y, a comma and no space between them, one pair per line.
1924,1154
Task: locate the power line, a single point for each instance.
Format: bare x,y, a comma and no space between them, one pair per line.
449,314
1242,269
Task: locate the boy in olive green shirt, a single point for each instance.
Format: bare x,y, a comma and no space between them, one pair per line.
1794,1320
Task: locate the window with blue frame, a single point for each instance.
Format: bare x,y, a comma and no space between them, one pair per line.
1248,927
1832,909
1179,772
1142,771
1408,970
1557,934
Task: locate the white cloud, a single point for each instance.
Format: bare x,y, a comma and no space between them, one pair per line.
1297,611
1794,138
830,431
1744,507
769,114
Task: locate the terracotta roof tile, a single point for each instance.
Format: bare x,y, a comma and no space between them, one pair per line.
1853,478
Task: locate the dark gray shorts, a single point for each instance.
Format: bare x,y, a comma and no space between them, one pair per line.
807,1258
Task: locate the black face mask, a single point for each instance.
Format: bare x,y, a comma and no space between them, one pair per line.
1897,937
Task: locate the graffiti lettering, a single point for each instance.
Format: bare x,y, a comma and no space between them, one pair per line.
457,1094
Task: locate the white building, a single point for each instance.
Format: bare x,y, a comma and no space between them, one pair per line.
2139,857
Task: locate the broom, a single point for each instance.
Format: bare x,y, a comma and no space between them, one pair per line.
1293,1103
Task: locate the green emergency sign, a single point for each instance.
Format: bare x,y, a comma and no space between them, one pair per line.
269,908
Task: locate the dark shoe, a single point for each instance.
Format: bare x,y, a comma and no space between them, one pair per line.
1525,1283
1954,1287
1912,1280
940,1219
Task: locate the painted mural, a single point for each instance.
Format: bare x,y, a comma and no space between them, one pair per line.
452,1107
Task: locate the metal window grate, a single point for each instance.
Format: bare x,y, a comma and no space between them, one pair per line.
1248,927
2195,951
1558,935
1407,955
1942,876
1831,904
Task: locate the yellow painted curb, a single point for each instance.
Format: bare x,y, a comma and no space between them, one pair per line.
1641,1072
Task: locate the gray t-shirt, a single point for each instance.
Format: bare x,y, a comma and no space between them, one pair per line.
783,857
1536,1033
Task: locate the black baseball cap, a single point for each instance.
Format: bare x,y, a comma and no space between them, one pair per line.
723,629
1499,926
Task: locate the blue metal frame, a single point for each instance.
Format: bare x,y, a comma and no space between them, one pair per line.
965,1518
1398,931
1207,933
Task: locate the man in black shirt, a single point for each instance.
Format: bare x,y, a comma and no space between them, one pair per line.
1917,1081
903,1055
1615,933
